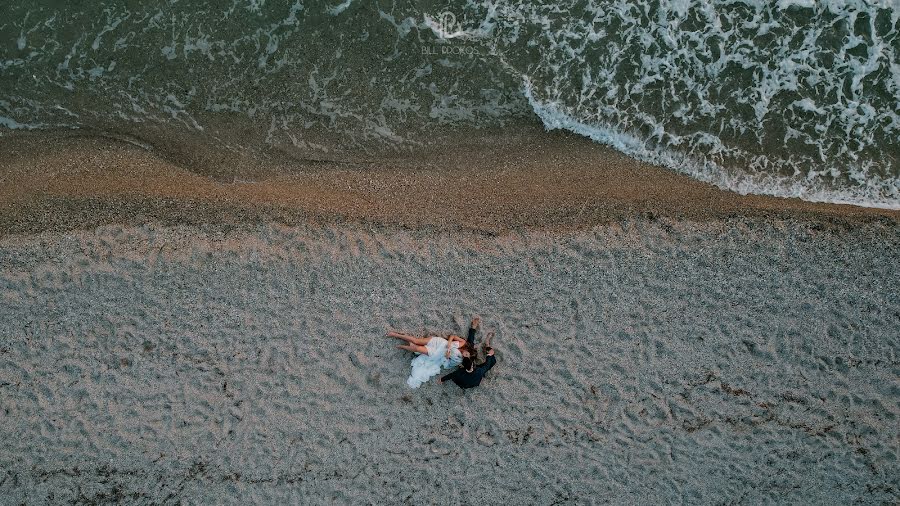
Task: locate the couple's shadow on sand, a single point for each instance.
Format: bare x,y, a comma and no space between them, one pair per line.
434,353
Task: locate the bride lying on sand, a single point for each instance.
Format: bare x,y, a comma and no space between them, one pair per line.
434,353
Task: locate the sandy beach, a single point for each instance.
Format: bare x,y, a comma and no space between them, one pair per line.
681,221
169,335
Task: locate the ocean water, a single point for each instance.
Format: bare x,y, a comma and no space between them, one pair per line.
790,97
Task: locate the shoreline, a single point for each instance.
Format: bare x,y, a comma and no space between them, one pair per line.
531,180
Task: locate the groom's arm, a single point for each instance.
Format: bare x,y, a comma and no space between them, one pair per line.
449,376
486,366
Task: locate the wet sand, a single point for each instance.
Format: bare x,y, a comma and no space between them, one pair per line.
533,180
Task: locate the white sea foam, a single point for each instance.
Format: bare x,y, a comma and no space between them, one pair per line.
704,170
337,9
12,124
668,95
784,4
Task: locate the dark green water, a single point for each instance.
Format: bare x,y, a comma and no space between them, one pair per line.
756,97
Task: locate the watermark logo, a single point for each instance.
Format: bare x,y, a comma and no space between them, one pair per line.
447,25
453,37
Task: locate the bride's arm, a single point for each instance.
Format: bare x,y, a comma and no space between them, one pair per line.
450,340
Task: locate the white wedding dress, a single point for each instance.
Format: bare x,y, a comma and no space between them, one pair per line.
424,367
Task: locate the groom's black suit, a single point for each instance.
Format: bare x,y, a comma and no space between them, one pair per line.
466,379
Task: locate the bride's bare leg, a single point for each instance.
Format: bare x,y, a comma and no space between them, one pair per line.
401,335
414,348
420,341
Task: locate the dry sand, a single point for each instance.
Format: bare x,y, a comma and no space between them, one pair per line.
639,365
178,339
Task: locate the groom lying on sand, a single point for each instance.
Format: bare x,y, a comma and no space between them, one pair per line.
469,375
434,353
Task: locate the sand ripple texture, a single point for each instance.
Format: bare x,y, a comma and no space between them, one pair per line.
640,363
